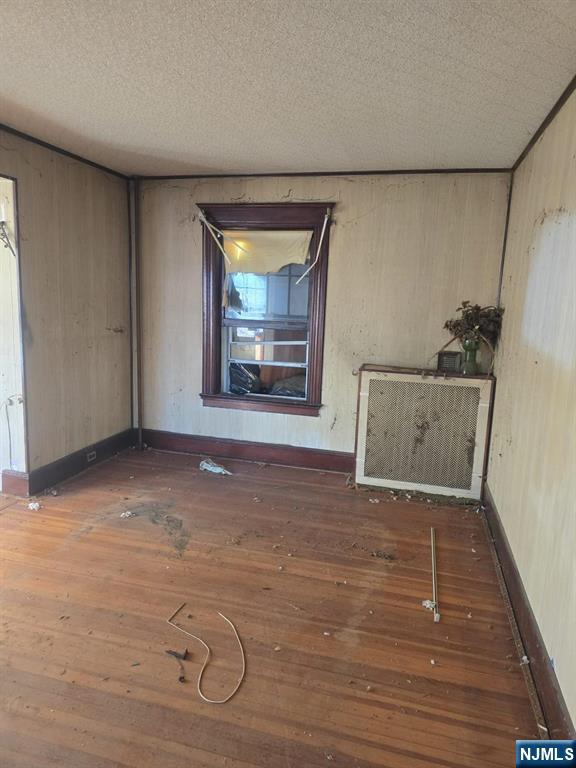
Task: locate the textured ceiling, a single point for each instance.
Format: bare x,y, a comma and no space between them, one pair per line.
240,86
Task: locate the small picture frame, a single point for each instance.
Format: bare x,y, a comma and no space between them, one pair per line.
449,362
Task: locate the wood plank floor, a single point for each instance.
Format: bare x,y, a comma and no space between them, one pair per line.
345,667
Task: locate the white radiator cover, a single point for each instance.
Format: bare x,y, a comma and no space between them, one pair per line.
422,431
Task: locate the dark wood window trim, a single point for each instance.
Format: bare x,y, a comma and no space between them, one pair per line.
262,216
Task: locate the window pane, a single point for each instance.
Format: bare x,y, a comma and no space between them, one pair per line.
246,295
266,380
261,274
278,293
267,297
269,352
298,301
265,250
287,383
253,335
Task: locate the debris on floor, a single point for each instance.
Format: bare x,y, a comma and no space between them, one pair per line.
34,506
170,621
209,465
158,515
184,656
383,555
180,657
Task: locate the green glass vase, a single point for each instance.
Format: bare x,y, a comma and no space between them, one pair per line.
469,365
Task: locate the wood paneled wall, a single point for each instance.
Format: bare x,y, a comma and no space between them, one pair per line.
74,263
404,251
532,474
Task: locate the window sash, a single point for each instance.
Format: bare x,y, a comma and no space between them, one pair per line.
237,216
227,359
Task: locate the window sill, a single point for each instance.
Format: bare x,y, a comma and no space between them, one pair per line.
255,403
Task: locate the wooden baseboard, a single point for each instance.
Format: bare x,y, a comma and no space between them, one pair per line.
51,474
287,455
556,713
14,483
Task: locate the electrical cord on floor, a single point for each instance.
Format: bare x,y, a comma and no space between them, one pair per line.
207,658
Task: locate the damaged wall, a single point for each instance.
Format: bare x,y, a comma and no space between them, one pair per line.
404,251
532,474
74,266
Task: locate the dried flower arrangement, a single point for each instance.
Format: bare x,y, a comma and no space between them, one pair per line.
474,325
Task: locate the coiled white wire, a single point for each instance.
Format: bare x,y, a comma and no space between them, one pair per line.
207,659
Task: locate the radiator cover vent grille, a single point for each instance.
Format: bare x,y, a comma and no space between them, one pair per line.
422,433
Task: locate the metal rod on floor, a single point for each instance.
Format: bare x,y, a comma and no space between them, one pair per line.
434,576
432,605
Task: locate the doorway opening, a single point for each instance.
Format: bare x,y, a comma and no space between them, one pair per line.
12,417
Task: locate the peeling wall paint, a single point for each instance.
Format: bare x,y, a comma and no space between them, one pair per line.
404,251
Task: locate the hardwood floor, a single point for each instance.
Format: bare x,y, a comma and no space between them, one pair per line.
344,666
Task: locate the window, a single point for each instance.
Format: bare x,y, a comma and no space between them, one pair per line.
265,271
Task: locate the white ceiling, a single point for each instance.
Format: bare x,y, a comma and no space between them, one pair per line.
240,86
